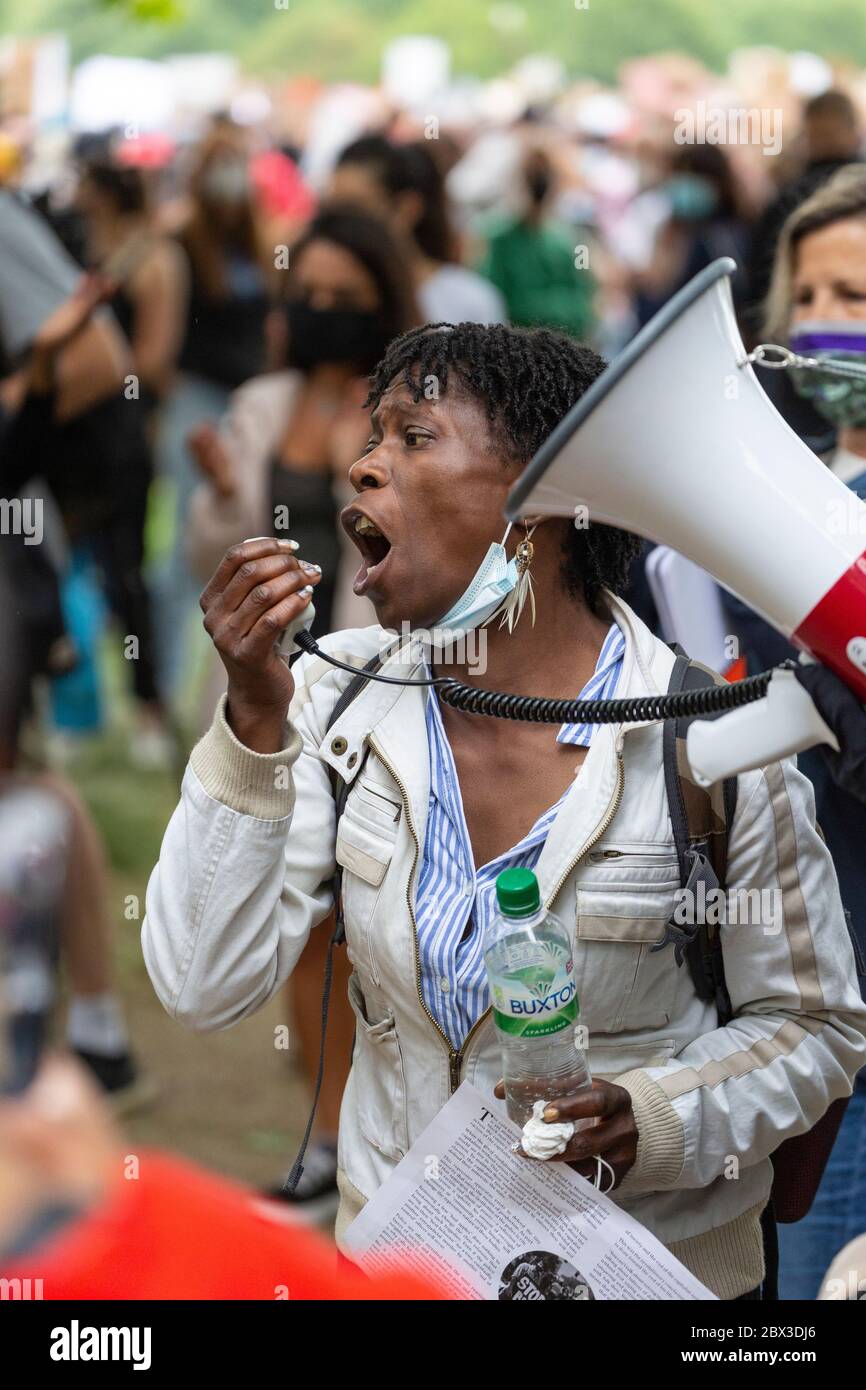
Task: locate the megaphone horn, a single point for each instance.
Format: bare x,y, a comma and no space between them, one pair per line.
678,442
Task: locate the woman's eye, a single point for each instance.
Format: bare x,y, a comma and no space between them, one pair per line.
414,436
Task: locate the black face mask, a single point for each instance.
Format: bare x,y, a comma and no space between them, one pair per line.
538,184
354,336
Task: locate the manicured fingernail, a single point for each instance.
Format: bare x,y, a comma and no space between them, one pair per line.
306,591
288,545
551,1113
310,569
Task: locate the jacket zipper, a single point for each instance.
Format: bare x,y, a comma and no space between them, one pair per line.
457,1056
600,829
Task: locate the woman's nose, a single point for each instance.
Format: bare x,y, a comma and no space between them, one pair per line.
369,471
827,304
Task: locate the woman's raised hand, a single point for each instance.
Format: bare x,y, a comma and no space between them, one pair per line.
257,590
209,452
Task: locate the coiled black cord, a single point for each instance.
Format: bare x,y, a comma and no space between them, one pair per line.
685,704
710,699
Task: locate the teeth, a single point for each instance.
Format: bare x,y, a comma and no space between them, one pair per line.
365,525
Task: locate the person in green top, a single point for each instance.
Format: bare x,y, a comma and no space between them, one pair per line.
533,261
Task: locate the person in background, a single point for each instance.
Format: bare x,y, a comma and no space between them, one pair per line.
271,468
148,272
148,269
404,186
819,279
531,260
95,453
706,220
34,643
232,279
831,137
232,273
36,278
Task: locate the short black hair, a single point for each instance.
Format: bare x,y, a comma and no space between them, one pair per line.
527,379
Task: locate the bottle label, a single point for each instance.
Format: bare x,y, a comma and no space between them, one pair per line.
535,994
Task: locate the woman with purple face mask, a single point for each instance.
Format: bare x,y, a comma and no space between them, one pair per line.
817,306
818,298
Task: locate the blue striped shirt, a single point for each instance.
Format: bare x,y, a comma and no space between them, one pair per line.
453,977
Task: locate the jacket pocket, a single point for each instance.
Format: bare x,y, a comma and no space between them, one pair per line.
363,853
623,906
380,1083
374,802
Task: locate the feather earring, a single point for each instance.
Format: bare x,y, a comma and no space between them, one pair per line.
515,603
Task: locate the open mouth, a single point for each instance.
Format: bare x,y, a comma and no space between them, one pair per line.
373,545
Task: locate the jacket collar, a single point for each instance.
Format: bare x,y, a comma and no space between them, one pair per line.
392,717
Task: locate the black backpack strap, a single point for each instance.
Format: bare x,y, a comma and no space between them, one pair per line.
700,818
338,936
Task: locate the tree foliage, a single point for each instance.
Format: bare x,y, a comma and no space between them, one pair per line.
343,39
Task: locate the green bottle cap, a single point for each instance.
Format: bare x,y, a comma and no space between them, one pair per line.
517,892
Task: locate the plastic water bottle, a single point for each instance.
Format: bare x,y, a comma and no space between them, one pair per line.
530,968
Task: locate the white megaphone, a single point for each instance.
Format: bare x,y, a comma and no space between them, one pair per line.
678,442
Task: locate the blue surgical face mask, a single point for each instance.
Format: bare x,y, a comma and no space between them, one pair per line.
692,197
494,579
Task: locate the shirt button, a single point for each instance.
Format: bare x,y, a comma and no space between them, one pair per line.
468,889
444,985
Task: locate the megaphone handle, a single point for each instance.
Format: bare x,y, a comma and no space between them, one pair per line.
785,721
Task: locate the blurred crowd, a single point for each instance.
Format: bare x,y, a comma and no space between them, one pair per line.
235,309
186,330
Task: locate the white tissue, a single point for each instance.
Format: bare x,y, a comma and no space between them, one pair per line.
544,1140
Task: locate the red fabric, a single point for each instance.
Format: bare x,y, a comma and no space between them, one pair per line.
178,1231
280,187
